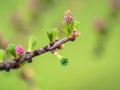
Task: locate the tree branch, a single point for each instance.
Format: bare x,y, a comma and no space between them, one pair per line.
17,62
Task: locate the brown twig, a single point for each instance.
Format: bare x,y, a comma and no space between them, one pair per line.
17,62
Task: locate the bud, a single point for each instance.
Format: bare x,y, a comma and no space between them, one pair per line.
31,42
56,32
68,29
50,35
76,33
11,49
29,59
53,34
76,24
2,54
64,61
20,50
68,18
69,24
61,47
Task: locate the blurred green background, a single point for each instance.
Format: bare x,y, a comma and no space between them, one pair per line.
19,19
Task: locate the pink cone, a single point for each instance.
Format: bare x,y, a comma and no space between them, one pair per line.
68,18
19,50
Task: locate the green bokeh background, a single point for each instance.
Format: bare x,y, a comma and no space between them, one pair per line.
85,71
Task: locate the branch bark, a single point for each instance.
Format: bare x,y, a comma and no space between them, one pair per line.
17,62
